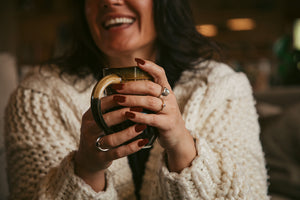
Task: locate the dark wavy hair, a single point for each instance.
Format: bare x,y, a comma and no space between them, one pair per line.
179,45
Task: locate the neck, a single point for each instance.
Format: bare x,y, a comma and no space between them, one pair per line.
127,58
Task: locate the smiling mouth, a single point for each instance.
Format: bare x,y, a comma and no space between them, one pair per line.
119,21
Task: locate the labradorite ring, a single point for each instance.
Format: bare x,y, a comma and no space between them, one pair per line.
164,92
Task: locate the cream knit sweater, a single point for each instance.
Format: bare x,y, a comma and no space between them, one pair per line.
43,127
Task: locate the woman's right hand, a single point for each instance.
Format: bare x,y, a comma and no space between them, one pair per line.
90,162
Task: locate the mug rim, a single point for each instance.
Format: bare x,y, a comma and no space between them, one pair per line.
131,69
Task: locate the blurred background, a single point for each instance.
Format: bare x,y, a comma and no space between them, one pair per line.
258,37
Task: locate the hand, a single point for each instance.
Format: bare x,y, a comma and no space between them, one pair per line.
90,163
173,135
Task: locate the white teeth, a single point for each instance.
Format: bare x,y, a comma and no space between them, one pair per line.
120,20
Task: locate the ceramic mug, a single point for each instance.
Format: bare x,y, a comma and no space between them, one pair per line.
102,88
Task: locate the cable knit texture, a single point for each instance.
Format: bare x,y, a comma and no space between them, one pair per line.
43,121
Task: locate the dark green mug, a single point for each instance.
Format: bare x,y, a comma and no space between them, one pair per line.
102,88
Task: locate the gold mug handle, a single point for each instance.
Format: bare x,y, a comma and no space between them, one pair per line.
97,94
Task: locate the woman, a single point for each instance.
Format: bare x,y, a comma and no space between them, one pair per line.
208,145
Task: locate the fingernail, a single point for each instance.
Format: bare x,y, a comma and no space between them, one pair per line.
129,115
136,109
139,61
140,127
119,99
143,142
119,86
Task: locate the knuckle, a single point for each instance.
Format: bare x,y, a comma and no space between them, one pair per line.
131,149
131,101
152,102
151,87
153,120
161,70
123,112
106,118
109,141
159,73
118,153
130,133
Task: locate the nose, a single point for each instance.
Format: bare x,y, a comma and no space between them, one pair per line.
110,3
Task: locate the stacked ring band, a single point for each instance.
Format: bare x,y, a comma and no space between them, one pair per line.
162,104
98,144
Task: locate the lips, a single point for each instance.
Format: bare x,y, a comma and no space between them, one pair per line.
117,21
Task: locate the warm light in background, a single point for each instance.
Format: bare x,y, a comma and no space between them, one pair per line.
208,30
241,24
296,35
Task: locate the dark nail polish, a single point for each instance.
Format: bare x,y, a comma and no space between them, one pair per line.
140,127
117,86
130,115
143,142
140,61
119,99
136,109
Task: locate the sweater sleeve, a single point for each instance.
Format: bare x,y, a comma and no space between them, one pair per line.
229,162
39,146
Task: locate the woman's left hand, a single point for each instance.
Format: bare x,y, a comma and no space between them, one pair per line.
173,135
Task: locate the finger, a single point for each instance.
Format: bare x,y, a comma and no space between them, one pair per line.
157,72
115,117
107,103
159,121
147,102
138,87
116,139
126,150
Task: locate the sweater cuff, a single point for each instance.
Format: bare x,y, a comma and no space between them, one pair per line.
63,183
197,180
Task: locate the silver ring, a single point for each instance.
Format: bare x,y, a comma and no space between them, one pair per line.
164,91
163,105
99,142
